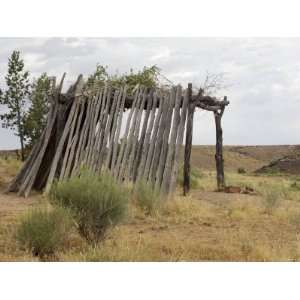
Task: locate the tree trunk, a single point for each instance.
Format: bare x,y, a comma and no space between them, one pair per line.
219,151
20,129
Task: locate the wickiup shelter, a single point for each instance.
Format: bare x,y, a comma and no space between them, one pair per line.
134,136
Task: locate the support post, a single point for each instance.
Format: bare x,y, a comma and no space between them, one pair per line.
219,149
188,143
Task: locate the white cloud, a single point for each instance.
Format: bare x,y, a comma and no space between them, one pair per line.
161,55
263,74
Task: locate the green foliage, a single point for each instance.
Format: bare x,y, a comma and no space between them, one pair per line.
44,231
195,174
146,197
96,202
147,77
35,118
241,171
99,77
14,98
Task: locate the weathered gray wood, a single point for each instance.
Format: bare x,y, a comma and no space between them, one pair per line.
118,167
79,152
165,186
219,150
129,143
33,165
29,180
145,147
113,130
179,140
159,139
104,102
141,144
74,144
147,170
117,136
188,144
108,129
92,132
135,137
62,142
70,138
101,147
165,140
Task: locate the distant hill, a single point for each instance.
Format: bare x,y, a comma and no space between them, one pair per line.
250,158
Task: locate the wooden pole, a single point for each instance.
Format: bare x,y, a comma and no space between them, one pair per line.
188,143
219,150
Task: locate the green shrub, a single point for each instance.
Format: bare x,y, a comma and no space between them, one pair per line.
195,174
272,198
96,202
44,231
241,171
146,197
295,186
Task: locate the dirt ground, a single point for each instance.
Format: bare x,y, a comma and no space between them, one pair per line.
206,226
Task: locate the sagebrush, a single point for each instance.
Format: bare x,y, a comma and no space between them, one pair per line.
96,202
44,231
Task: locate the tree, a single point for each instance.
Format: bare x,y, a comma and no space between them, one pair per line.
17,81
35,118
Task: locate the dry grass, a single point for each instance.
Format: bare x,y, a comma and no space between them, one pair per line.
206,226
8,168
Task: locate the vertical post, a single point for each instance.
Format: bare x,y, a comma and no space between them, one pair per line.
188,143
219,150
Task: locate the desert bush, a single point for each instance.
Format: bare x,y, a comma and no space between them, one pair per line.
146,197
272,198
241,171
96,202
44,231
295,186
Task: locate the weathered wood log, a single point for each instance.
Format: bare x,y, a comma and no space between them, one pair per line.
70,162
102,128
98,130
147,171
108,129
117,136
95,118
128,145
63,139
159,139
179,141
188,143
219,150
167,175
29,180
146,144
69,142
112,132
135,138
165,140
124,140
80,150
141,144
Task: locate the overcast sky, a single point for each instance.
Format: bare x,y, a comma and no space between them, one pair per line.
263,75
